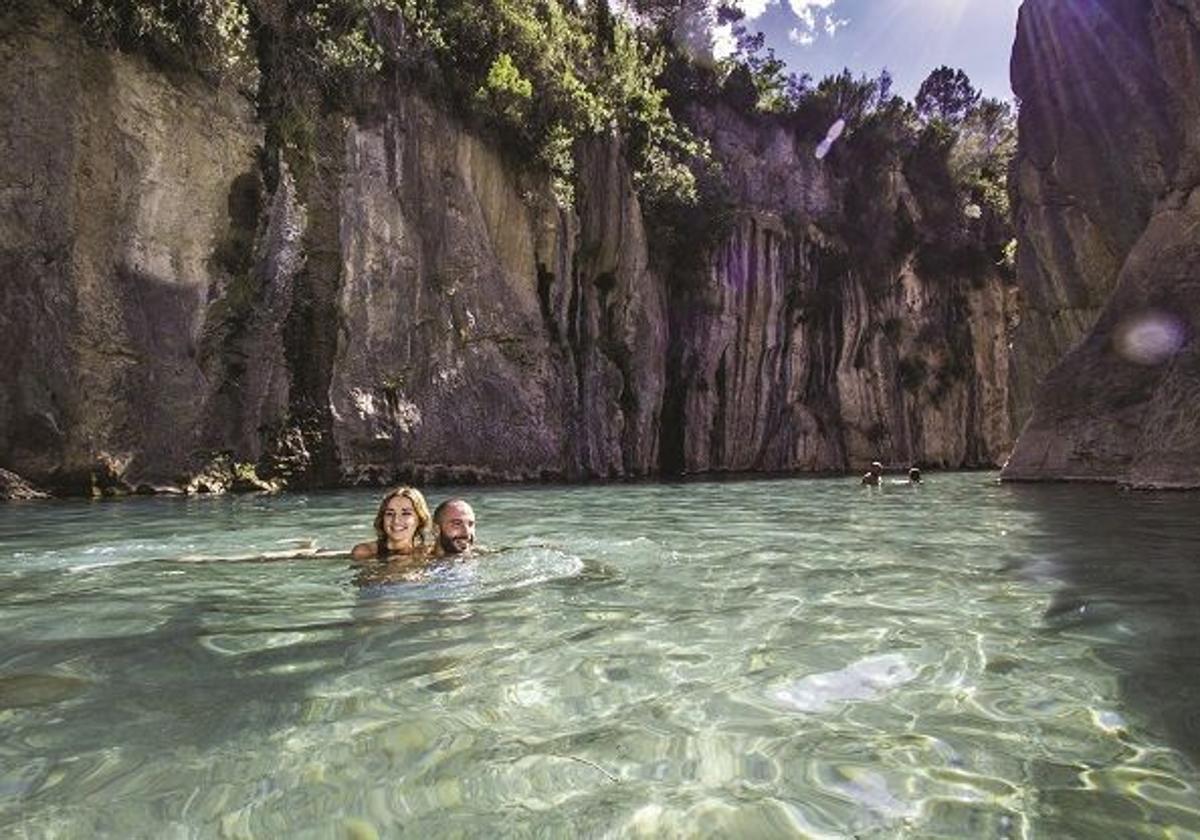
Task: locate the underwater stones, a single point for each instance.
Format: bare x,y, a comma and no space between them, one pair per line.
26,690
356,828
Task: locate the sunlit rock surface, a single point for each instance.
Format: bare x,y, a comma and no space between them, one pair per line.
1108,213
404,303
12,486
486,333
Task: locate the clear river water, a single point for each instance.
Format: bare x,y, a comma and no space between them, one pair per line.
770,658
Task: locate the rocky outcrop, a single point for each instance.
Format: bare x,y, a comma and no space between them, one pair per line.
486,333
126,198
13,487
809,346
1106,182
188,312
420,310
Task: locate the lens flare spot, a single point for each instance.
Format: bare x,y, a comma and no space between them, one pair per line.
831,136
1150,337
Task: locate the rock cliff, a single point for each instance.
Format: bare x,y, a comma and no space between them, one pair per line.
127,207
1107,211
812,342
183,310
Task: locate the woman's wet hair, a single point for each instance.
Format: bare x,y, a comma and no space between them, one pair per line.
422,537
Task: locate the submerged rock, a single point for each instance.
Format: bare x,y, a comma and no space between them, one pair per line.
23,690
866,679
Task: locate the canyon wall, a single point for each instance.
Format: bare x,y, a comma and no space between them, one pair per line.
1105,362
184,311
809,345
124,200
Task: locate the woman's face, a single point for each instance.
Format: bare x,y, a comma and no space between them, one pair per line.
399,522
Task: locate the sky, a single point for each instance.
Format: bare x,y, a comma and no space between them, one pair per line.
909,38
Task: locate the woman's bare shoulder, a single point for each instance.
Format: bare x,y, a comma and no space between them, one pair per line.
364,551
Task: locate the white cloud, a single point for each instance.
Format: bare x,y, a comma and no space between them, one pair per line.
800,7
832,24
723,41
814,16
754,8
801,37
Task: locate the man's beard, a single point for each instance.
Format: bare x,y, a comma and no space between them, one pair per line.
450,545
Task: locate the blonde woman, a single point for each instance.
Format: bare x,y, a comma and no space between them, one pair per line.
401,527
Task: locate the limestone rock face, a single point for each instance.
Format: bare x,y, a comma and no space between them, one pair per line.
801,349
613,317
487,334
122,194
184,311
1107,171
441,360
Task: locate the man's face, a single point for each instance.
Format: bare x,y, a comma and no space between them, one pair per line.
456,528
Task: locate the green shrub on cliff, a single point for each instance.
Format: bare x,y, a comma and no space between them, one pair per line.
544,74
538,74
946,95
209,35
986,143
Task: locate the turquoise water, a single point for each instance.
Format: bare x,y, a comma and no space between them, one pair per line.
783,658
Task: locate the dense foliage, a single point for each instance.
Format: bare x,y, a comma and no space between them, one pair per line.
953,145
541,74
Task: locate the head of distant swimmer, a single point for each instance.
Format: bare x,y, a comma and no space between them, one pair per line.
914,475
455,522
876,468
402,521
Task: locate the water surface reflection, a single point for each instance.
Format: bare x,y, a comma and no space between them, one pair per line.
1126,567
767,658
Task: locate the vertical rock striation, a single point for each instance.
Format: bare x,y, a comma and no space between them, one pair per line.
404,302
1108,208
807,346
485,332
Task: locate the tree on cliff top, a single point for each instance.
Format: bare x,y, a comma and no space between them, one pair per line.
538,74
946,94
212,36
